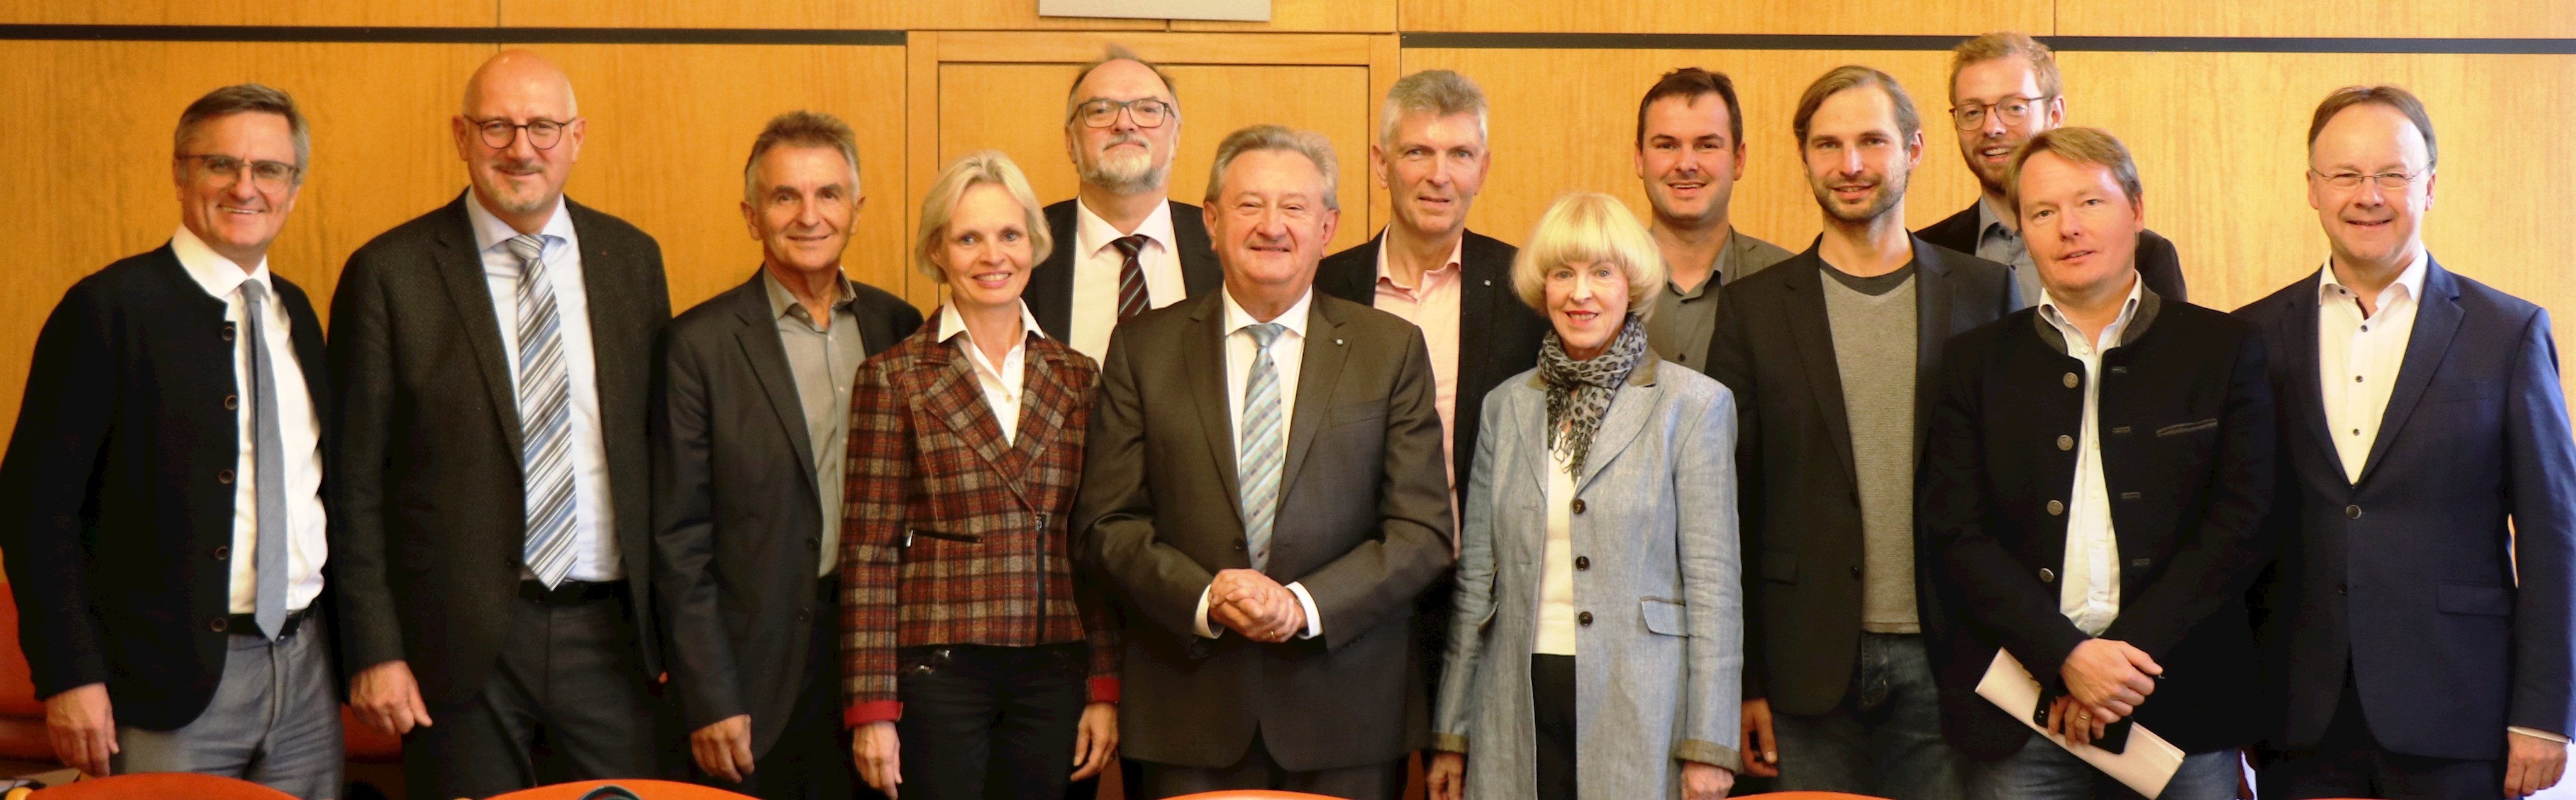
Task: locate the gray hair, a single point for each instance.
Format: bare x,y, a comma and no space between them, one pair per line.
801,129
940,204
1438,92
246,98
1310,144
1116,53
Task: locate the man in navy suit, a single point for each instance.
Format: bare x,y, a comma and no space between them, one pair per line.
2417,624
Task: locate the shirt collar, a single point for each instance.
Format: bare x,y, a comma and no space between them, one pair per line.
2112,332
951,325
1386,235
218,275
1294,318
783,302
1094,234
1718,266
491,232
1988,217
2410,280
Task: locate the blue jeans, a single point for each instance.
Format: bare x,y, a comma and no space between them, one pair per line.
1884,740
2043,770
274,720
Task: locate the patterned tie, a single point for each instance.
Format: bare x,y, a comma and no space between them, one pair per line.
545,419
268,473
1132,299
1257,460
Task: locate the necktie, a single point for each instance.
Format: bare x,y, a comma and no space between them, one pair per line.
1257,459
1132,298
268,471
545,419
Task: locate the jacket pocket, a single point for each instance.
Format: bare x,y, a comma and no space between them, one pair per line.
2473,598
1779,566
1663,616
960,538
2180,428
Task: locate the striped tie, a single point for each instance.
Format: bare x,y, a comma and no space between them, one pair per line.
1257,460
1132,297
545,419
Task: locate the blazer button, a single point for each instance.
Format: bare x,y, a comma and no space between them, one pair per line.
232,401
804,615
1582,563
1855,571
218,624
1238,546
1584,618
228,331
813,545
224,477
223,552
2352,512
2342,588
2047,575
2055,508
2065,442
2071,381
1578,505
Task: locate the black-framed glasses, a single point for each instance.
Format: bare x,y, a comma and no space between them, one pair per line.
1148,112
1971,115
226,171
497,134
2387,180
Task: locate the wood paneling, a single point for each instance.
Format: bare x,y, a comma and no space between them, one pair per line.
1959,17
2320,18
670,126
432,13
859,14
1564,120
1359,16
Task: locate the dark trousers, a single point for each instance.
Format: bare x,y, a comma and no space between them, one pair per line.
1552,706
2348,762
989,722
570,686
811,759
1256,771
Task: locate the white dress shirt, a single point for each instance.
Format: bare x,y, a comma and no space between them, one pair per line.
2358,357
595,556
299,431
2089,594
1288,357
1096,264
1556,624
1002,385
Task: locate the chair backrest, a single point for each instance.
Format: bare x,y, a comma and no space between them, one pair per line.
1807,796
161,784
1253,794
642,788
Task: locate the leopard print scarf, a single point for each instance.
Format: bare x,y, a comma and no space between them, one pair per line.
1579,392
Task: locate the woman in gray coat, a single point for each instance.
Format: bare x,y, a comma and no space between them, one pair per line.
1597,646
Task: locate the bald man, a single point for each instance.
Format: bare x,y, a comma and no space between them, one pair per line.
493,565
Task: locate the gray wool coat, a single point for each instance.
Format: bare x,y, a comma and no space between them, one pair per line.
1659,670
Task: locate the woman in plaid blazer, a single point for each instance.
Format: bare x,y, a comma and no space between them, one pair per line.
973,657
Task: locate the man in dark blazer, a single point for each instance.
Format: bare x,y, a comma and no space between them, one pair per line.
2004,89
494,571
162,495
2093,491
1831,365
756,388
2417,627
1270,584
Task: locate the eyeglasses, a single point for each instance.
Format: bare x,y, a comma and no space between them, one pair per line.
499,133
1971,115
2386,180
226,171
1146,111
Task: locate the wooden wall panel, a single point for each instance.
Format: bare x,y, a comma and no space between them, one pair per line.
1353,16
2319,18
857,14
434,13
1957,17
670,126
1564,120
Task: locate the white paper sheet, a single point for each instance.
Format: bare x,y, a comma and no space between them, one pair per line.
2145,765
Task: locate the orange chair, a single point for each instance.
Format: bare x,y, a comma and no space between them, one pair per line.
1807,796
647,789
161,784
365,745
22,715
1252,794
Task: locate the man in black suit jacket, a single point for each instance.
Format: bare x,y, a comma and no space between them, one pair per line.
162,495
2093,493
2419,627
1830,363
495,582
1269,620
2004,89
756,388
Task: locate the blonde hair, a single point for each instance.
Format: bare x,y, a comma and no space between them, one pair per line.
940,205
1590,227
2006,44
1317,150
2080,145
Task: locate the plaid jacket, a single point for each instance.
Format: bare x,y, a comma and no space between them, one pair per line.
952,536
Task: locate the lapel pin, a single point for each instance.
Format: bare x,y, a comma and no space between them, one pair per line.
1337,341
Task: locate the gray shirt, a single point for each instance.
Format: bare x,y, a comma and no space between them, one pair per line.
825,363
1684,321
1873,324
1999,243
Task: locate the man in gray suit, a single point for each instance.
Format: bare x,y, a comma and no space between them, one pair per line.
756,387
1264,489
491,561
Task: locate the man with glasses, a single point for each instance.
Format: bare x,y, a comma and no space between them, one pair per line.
1134,248
2004,89
2418,624
496,355
164,514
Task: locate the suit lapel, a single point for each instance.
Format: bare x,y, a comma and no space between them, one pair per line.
1042,404
2299,329
1629,411
1813,337
612,299
1932,300
956,398
1529,431
1315,380
1203,366
460,267
2437,317
1050,289
1200,273
758,337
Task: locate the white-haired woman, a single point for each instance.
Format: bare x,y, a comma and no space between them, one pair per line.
979,663
1597,645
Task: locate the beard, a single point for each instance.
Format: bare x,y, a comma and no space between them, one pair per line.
1884,197
526,195
1125,171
